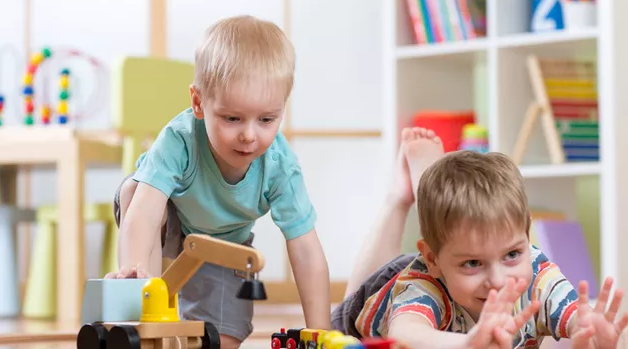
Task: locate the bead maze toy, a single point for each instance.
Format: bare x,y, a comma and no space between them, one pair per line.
36,63
143,313
305,338
565,95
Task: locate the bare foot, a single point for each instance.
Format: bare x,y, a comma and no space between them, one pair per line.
421,152
401,186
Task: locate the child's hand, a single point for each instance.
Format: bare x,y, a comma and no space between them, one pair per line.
497,325
597,328
128,273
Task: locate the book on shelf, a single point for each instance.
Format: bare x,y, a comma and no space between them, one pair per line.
437,21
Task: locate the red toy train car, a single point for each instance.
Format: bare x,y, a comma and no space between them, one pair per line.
289,340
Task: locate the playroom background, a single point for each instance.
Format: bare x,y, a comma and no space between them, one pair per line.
516,76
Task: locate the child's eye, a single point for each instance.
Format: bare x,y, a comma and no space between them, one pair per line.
231,118
267,120
471,264
513,255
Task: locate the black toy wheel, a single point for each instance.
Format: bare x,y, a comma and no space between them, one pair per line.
211,339
92,336
123,337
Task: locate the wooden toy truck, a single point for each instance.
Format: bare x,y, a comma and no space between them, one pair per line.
159,325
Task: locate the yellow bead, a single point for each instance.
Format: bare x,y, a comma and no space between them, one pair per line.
37,58
64,82
28,79
62,107
45,111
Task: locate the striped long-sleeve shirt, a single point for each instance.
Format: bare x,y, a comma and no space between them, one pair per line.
413,290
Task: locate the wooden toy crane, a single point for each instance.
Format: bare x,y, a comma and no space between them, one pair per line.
159,325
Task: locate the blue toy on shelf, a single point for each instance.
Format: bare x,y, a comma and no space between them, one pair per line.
546,15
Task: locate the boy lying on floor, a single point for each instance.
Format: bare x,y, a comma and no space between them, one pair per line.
476,264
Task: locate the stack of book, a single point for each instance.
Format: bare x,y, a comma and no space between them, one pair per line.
437,21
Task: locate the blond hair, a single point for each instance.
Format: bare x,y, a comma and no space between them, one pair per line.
469,192
242,49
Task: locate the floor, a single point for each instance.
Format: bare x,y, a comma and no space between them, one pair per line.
32,334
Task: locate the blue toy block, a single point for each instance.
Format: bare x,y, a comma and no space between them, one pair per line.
107,300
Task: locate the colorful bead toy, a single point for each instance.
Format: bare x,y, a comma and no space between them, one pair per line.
62,107
29,105
94,103
475,138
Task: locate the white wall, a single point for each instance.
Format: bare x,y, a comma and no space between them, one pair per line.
337,86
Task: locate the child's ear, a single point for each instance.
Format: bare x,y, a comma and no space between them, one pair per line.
195,99
429,257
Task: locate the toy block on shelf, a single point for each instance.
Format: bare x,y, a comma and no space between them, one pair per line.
565,100
111,300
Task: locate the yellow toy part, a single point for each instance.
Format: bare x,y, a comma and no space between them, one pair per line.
310,337
325,338
155,302
340,342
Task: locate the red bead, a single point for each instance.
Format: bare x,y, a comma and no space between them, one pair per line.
32,68
29,107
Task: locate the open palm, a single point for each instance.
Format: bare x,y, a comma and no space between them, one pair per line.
497,324
596,327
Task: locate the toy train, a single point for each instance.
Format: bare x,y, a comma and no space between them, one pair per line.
304,338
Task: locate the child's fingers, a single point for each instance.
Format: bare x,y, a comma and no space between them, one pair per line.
490,304
111,275
483,336
505,295
622,323
502,338
602,298
520,287
141,274
525,315
583,299
122,273
580,340
614,307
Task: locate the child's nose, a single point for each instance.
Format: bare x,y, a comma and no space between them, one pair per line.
496,280
247,135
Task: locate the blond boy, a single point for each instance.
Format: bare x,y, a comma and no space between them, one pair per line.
477,282
215,169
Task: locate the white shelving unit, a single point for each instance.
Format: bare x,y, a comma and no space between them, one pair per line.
489,76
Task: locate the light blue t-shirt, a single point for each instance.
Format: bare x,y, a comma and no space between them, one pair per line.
181,165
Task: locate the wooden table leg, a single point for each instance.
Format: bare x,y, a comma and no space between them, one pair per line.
8,184
70,235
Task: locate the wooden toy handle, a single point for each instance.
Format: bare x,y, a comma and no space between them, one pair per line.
199,249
